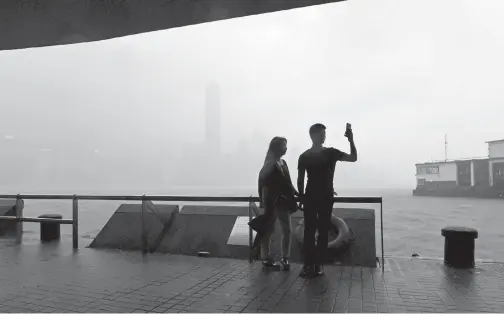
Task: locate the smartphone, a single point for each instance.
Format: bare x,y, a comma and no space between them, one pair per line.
348,128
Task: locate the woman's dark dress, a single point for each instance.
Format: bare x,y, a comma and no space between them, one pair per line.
281,195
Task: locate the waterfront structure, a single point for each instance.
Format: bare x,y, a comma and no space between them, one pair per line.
496,163
473,177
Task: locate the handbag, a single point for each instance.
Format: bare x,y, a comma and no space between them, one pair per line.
259,224
288,203
286,199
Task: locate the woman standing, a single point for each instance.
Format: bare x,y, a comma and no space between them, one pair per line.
276,193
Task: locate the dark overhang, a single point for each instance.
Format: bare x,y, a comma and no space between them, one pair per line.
39,23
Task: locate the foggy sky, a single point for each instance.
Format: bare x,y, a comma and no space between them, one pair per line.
404,73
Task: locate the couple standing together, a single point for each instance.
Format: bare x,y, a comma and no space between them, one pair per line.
277,195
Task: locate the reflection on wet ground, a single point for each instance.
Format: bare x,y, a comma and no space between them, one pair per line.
55,278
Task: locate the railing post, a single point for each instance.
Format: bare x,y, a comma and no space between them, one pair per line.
19,223
250,230
142,226
382,249
75,224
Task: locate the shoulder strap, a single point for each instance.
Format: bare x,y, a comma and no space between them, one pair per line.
286,173
285,168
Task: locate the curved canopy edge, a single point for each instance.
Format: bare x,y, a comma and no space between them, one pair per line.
39,23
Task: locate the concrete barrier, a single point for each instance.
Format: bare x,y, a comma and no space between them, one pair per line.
361,251
207,229
198,229
8,208
123,230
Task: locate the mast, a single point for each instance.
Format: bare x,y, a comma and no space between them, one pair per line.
445,148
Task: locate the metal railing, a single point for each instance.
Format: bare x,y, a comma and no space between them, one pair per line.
160,198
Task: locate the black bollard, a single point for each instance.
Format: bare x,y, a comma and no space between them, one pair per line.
459,246
50,231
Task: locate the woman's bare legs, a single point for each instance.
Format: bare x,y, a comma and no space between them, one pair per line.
284,219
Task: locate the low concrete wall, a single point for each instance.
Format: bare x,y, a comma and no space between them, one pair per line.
200,228
123,230
360,252
8,208
207,228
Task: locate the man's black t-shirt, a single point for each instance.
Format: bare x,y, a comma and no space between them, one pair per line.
319,166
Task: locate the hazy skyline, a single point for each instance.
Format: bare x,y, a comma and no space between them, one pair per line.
404,73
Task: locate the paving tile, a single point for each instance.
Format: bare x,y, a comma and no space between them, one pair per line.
105,281
237,309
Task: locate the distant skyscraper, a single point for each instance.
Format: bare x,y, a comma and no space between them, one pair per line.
212,117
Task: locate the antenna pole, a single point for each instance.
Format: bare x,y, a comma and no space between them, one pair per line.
445,148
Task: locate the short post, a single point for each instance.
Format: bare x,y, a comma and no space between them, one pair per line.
143,234
50,230
19,223
381,228
75,224
459,246
250,230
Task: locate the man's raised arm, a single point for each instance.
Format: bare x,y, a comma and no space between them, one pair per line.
353,151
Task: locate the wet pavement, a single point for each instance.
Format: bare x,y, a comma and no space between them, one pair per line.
54,278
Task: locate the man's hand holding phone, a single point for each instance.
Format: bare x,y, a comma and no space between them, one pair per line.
349,132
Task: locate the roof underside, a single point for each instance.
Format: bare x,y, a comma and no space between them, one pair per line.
451,161
38,23
435,163
496,141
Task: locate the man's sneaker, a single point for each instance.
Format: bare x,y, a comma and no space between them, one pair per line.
268,263
284,264
319,270
306,271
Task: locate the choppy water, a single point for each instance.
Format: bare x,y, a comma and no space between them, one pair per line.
411,224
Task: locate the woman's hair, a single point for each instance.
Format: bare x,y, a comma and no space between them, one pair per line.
275,147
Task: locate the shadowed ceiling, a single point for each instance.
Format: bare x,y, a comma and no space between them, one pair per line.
38,23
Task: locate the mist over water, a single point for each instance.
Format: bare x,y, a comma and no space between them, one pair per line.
191,111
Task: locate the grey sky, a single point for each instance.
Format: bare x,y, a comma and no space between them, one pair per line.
404,73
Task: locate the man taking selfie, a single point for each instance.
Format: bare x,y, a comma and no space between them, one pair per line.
319,163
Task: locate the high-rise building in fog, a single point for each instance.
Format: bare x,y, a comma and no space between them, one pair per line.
212,118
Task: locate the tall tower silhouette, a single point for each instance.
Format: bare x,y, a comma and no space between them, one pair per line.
212,118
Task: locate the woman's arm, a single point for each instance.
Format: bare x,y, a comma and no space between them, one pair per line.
259,192
266,170
289,178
